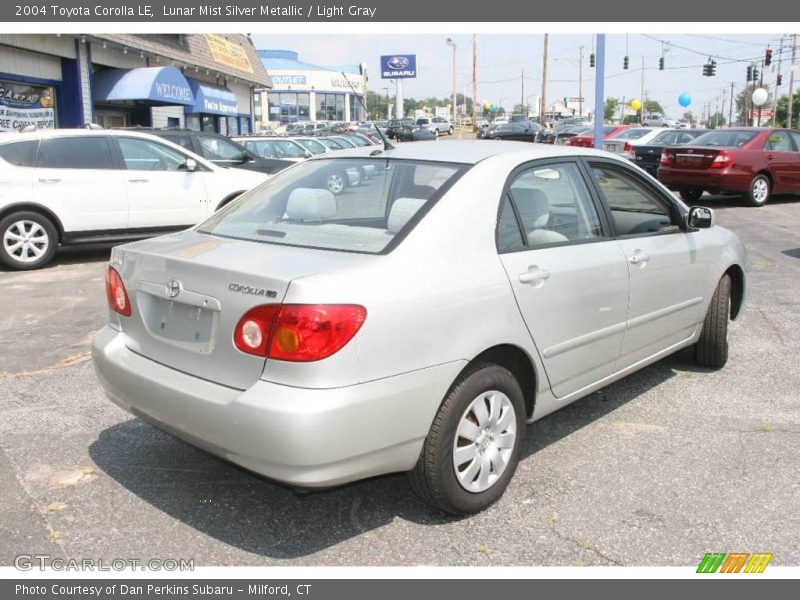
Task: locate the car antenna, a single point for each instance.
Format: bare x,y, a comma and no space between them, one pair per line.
386,144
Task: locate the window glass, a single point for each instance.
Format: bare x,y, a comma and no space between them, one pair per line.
730,139
796,138
779,142
185,141
307,207
233,125
665,138
509,236
19,154
634,208
554,205
312,146
88,152
217,148
303,107
144,155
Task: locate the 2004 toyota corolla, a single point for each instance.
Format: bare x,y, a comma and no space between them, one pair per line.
417,321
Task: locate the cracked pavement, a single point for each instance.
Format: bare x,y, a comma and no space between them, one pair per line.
657,469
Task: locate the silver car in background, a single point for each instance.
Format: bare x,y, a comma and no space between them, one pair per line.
416,322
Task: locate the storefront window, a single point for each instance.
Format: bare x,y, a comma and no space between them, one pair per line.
244,125
233,125
193,122
340,116
303,108
209,123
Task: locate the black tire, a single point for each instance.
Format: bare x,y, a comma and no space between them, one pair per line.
711,350
434,479
691,194
45,230
450,131
759,192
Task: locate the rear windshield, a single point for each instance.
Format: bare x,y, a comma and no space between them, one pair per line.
632,134
728,139
352,204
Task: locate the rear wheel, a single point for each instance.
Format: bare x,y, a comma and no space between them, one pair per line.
760,189
474,443
691,194
335,183
711,349
29,241
450,131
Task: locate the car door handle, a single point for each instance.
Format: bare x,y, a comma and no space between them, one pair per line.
138,180
638,258
769,157
534,275
49,180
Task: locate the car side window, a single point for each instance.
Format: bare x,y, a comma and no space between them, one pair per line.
779,141
88,152
509,235
635,209
215,148
553,205
146,155
181,140
19,154
796,140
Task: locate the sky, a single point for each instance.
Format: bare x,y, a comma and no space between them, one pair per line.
502,59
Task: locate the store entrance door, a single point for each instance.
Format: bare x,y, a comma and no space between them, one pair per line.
290,113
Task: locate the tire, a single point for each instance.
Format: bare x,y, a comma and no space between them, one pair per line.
711,350
759,191
29,241
336,183
450,131
436,132
435,480
691,194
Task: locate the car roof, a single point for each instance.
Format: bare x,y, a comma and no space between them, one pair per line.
52,133
472,151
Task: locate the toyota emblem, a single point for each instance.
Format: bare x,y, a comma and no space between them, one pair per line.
174,288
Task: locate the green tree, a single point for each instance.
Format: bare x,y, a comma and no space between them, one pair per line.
781,111
689,116
744,101
652,106
610,108
520,109
716,120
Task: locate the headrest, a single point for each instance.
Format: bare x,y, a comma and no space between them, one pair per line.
402,211
533,206
310,204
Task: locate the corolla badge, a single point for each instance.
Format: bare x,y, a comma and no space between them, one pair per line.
397,62
174,287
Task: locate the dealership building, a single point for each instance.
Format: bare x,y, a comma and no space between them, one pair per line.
199,81
305,92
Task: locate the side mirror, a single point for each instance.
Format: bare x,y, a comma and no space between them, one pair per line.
190,165
700,217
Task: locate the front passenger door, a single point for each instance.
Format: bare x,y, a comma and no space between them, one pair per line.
569,278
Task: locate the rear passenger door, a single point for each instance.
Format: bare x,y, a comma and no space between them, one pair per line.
569,277
79,178
781,157
667,266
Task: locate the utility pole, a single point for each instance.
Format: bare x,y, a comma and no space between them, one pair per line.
641,110
730,110
543,102
474,83
775,91
791,81
580,81
760,84
522,89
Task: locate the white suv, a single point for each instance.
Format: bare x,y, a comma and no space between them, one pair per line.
658,120
74,186
436,125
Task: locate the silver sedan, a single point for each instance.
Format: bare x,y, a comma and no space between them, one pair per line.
416,322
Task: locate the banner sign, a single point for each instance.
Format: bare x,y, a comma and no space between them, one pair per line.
399,66
227,53
23,105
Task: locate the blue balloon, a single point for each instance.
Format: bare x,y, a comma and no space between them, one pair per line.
684,99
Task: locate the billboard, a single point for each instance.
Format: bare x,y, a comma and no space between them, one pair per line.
399,66
23,105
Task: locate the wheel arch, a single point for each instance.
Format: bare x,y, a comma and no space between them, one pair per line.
736,274
519,363
35,208
229,198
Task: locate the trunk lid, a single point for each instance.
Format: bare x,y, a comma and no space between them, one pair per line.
694,157
189,290
648,155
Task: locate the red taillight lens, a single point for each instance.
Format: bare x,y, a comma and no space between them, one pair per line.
298,332
721,160
116,294
666,159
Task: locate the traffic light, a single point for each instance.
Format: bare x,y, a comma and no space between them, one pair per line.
755,74
779,80
661,64
705,70
768,58
591,60
712,68
625,63
750,73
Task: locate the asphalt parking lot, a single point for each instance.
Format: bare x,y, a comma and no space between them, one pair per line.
658,469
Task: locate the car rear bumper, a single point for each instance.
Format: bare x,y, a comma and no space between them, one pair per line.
299,436
714,181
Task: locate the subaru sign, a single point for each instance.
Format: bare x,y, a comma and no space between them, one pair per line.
399,66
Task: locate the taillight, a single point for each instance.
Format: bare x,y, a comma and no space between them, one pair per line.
116,294
298,332
721,160
666,159
627,150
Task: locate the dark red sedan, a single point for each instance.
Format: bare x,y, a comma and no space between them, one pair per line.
754,162
587,140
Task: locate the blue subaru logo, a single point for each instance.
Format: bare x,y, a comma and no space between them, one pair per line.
397,62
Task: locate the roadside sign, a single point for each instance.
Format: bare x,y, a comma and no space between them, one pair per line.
399,66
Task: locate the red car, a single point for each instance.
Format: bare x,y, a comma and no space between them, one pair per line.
587,141
754,162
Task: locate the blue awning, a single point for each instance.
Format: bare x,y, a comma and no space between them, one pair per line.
161,85
212,99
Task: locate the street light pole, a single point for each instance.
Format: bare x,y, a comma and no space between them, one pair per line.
580,81
543,105
451,42
474,84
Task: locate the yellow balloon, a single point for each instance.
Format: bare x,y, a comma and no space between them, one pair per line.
635,104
